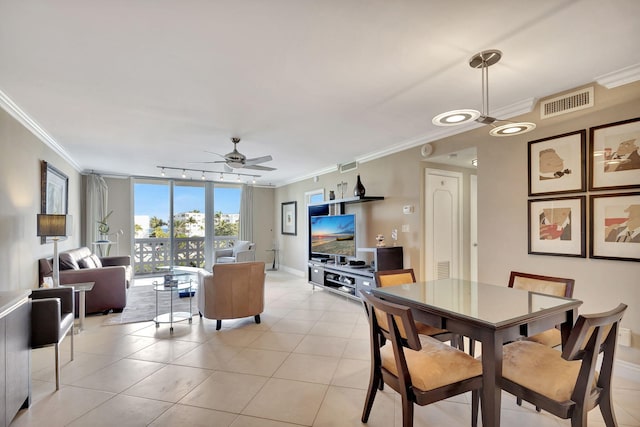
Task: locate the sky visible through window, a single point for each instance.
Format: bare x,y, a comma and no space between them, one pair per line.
153,200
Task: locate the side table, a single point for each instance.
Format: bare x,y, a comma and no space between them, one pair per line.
81,289
274,267
173,316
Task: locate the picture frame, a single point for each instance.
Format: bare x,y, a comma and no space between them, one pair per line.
614,154
614,226
557,226
289,218
557,164
54,192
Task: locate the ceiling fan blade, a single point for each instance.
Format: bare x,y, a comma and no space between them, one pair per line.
259,168
211,152
257,160
213,161
227,168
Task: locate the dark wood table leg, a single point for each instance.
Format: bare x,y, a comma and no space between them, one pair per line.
491,374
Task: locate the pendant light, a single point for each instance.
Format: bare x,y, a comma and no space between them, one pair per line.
483,60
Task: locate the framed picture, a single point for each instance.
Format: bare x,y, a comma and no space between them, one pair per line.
289,220
54,192
615,226
557,164
614,153
557,227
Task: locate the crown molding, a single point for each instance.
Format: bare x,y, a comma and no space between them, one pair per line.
23,118
621,77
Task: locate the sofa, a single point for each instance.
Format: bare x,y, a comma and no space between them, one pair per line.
111,276
242,251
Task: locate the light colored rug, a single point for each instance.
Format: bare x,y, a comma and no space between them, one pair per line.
141,305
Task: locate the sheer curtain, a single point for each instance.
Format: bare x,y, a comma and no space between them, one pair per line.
96,207
246,213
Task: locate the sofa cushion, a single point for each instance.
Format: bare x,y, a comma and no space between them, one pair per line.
68,262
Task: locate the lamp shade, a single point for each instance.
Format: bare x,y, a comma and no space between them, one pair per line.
54,225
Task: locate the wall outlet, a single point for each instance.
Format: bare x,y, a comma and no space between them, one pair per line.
624,337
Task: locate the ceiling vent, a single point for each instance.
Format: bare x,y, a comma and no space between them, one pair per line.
346,167
567,103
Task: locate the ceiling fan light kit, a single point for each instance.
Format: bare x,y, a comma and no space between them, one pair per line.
483,60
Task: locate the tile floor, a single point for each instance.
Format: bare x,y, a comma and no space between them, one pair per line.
306,364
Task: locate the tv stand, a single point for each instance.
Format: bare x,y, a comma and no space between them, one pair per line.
349,280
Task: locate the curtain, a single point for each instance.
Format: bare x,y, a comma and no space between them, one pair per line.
246,213
96,207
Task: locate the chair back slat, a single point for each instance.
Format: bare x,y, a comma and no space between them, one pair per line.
389,318
549,285
395,277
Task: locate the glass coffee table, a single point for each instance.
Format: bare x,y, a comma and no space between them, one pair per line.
175,282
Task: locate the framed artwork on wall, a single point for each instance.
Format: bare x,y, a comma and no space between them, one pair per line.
557,227
557,164
289,220
614,153
54,192
614,226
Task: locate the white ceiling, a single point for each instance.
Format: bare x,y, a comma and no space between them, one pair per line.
124,86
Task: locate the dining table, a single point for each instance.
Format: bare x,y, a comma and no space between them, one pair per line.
490,314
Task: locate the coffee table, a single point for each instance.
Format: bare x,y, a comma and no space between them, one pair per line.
81,289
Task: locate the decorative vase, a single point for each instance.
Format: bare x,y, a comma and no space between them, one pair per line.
359,189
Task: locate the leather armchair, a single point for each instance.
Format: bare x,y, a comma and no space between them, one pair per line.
51,320
232,291
242,251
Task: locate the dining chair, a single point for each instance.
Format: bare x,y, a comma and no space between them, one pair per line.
566,383
556,286
402,276
52,318
420,368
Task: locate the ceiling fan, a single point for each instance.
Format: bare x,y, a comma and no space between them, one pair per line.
237,160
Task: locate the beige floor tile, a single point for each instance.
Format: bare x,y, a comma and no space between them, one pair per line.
342,407
119,376
183,415
225,391
164,351
293,326
279,341
256,362
289,401
322,345
357,349
235,337
210,355
332,329
122,411
245,421
352,373
83,364
342,317
170,383
300,314
113,344
308,367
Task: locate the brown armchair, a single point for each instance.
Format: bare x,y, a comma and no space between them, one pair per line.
232,291
51,320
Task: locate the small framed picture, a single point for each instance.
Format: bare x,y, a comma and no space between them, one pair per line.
614,153
615,226
557,164
557,227
289,221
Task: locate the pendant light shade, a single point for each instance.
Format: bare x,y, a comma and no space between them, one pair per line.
483,60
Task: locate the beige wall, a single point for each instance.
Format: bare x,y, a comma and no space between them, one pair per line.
20,248
502,209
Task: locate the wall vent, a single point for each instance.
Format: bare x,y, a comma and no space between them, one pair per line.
346,167
444,270
567,103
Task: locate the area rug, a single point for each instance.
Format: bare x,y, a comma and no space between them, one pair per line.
141,306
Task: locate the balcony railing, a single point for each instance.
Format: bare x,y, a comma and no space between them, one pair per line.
151,253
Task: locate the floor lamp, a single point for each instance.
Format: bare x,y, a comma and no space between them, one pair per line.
54,226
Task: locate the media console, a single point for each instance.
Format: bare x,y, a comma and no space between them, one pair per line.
350,280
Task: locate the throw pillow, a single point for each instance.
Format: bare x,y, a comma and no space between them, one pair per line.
241,245
86,262
67,262
96,260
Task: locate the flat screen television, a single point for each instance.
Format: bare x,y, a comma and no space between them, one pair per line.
333,235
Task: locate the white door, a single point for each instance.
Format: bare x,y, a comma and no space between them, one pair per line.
443,224
473,228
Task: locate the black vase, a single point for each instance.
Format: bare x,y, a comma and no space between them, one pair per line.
359,190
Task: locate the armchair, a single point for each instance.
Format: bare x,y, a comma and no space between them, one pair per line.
242,251
51,320
232,291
